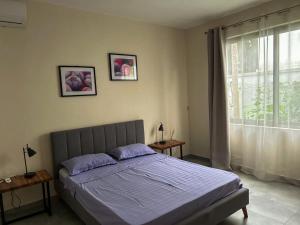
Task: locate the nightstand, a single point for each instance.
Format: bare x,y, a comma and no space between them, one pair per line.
168,145
42,177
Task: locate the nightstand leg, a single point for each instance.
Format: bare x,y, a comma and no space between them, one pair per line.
44,196
181,156
2,210
170,151
49,199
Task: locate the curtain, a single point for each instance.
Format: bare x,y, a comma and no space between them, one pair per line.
219,142
263,92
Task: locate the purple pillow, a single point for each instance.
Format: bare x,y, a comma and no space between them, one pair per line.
131,151
87,162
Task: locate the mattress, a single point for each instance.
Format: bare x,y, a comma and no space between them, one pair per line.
154,189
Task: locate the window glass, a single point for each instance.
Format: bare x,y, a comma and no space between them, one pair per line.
250,79
289,79
263,77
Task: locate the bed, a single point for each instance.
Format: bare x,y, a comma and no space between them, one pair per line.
152,189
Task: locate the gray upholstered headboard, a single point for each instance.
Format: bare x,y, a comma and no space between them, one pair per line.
69,143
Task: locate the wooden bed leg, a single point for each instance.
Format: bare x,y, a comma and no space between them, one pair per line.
245,212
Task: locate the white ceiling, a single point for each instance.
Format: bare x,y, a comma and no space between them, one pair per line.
173,13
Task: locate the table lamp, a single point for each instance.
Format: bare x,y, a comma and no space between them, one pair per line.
161,128
30,152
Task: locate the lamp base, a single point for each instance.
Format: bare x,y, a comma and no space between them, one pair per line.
29,174
162,142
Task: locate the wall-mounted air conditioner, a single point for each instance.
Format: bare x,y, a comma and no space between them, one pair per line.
13,13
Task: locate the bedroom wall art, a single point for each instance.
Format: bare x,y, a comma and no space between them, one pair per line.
123,67
77,81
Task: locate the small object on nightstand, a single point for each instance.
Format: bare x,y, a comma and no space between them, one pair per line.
7,180
168,145
161,128
1,180
172,134
30,152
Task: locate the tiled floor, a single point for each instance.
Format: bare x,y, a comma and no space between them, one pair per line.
270,204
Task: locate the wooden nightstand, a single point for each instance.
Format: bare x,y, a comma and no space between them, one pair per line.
168,145
42,177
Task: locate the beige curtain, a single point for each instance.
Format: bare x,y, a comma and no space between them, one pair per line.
219,143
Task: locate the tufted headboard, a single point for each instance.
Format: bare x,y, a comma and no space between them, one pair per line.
69,143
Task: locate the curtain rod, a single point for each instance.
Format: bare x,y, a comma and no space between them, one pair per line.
258,17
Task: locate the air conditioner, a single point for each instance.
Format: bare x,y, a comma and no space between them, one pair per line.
13,13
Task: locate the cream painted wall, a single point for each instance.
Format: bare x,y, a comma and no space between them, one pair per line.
198,72
31,106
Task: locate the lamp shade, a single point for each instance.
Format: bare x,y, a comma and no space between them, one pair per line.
161,127
31,152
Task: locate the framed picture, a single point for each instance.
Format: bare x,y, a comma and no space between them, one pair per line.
77,81
123,67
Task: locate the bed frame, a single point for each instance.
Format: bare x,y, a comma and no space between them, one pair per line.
70,143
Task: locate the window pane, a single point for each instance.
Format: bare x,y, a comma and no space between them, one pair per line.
289,79
249,54
250,79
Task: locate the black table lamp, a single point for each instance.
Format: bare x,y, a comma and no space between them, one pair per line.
30,152
161,128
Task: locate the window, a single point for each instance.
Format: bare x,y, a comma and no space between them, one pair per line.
263,78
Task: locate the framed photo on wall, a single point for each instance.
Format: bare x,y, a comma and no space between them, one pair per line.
123,67
77,81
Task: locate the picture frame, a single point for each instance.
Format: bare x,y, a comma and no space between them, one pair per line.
123,67
77,81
